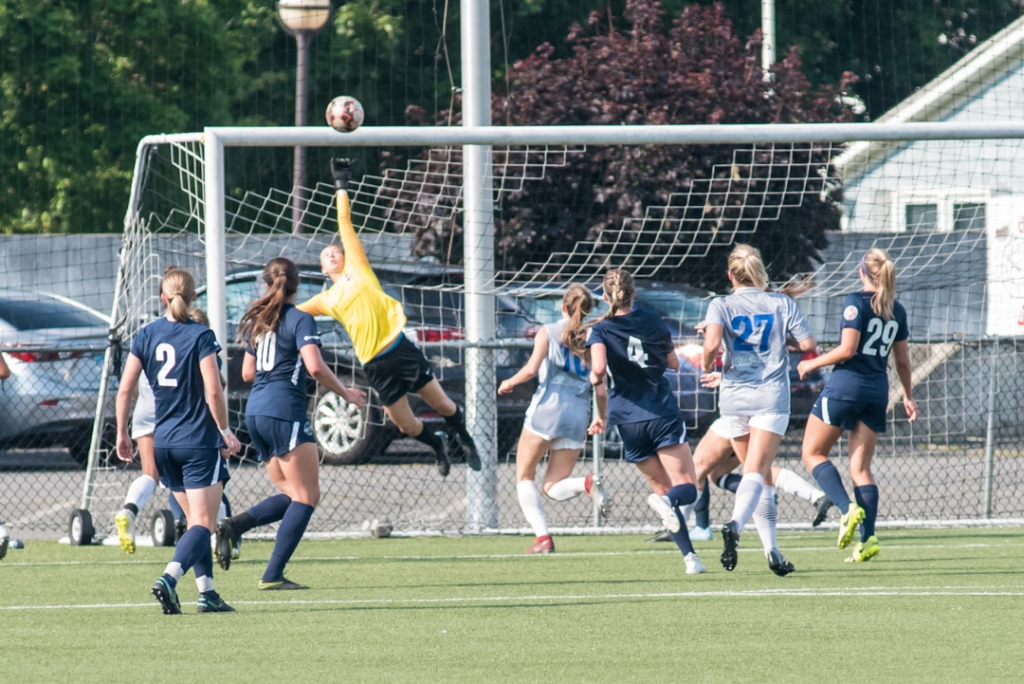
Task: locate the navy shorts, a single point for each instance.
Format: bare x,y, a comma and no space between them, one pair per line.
846,413
184,468
276,437
640,441
397,372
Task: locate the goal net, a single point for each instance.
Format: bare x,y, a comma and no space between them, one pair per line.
949,212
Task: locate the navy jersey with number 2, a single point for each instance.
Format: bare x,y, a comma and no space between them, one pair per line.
865,375
170,354
279,389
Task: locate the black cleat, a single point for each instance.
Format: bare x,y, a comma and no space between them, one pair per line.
444,463
664,535
778,564
731,541
167,596
211,602
283,584
226,541
4,543
821,506
468,447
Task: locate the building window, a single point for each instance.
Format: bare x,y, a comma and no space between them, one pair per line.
969,216
922,216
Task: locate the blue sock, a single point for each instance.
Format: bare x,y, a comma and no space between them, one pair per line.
702,509
191,547
289,534
867,498
828,478
204,564
270,510
682,495
730,481
175,508
227,504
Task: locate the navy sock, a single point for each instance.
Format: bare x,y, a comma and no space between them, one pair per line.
730,481
227,504
682,540
191,547
175,508
828,478
204,564
289,534
867,498
682,495
270,510
702,509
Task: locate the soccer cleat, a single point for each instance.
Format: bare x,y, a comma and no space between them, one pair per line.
848,524
125,522
468,446
226,541
167,596
543,544
444,463
821,507
694,566
661,506
211,602
283,584
660,537
4,543
778,564
730,543
594,487
865,551
700,533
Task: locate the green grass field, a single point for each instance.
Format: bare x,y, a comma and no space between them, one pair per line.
935,606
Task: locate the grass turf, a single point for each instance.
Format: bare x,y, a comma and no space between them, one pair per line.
935,606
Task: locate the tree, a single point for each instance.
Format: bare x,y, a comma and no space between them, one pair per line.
698,71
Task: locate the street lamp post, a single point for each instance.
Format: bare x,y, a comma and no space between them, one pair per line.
302,19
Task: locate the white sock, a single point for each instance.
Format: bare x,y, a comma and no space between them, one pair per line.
566,489
204,583
747,496
529,501
174,570
765,518
222,512
140,490
791,483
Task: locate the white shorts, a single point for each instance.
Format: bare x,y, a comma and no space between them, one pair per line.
556,442
144,417
731,427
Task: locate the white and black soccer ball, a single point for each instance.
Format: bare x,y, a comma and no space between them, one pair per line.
344,114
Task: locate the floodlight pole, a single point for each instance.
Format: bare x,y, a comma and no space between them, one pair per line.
478,257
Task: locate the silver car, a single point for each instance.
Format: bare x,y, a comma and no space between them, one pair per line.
54,347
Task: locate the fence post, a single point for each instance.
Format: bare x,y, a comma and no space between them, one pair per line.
598,457
990,447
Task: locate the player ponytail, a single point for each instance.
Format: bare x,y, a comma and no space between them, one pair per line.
281,276
578,304
619,290
879,269
178,288
747,268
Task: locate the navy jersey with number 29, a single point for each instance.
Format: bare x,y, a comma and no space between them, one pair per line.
279,389
865,375
170,354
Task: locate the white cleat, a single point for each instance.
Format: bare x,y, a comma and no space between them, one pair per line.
664,509
594,486
125,521
700,534
694,566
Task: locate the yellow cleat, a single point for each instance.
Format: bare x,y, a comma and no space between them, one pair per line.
865,551
125,521
848,524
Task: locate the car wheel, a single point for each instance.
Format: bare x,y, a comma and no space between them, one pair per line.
162,528
80,529
347,435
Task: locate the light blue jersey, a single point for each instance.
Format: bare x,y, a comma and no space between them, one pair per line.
755,371
561,405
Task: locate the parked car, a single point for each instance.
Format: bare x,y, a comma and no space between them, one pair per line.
54,347
347,435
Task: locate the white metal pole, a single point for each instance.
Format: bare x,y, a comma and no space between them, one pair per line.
767,37
216,251
299,156
990,428
478,226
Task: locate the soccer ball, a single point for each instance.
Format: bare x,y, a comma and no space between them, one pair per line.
344,114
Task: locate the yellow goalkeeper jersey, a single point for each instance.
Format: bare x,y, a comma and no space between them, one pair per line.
372,319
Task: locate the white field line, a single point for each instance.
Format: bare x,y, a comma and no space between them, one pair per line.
527,557
843,592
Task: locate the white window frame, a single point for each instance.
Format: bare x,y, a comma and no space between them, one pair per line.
944,200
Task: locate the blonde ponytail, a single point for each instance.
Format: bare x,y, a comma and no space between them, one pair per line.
880,270
578,303
619,290
747,268
179,289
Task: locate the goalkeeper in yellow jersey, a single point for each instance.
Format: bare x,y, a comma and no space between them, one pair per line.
393,365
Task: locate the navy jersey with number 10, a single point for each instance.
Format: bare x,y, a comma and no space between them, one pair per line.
170,354
865,375
279,389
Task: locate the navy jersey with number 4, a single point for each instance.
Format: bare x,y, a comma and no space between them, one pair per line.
279,390
865,375
170,354
638,345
